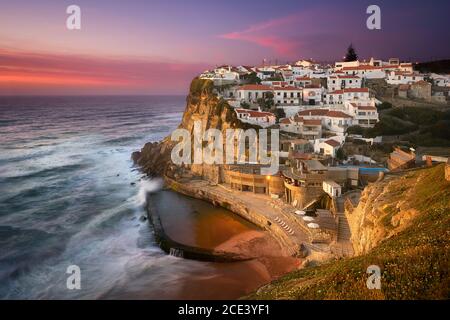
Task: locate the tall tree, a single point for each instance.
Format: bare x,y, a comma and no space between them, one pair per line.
351,54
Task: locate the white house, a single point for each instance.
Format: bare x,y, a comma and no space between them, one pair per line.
327,147
402,77
305,63
310,129
339,65
222,75
365,71
302,81
312,95
334,121
440,80
287,95
250,93
364,113
339,96
338,82
332,188
263,119
265,72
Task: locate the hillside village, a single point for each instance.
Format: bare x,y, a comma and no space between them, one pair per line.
327,105
325,160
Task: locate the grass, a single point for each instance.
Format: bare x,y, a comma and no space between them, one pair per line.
414,262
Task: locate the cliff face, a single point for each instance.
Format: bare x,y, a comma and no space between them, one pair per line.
388,207
402,225
202,105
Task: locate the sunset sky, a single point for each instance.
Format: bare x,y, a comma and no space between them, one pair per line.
156,47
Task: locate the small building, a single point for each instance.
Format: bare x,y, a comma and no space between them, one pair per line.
402,77
420,90
333,189
260,118
287,95
250,93
329,147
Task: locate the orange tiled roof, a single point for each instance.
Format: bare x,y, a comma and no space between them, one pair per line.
260,87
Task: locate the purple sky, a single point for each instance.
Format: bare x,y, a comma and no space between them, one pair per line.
156,47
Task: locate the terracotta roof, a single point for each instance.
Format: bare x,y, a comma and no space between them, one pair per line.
303,78
333,143
288,88
312,122
255,87
254,114
350,90
366,108
357,90
298,118
403,87
337,92
313,112
348,77
337,114
368,67
285,121
313,86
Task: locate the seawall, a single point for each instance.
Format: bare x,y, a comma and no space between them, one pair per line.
288,246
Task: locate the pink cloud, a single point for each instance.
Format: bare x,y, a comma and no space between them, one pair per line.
28,72
265,34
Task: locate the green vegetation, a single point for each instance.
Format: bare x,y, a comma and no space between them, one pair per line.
267,102
279,113
251,78
245,105
275,77
384,106
351,54
418,125
440,66
414,262
340,154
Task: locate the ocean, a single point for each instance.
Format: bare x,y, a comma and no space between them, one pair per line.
70,195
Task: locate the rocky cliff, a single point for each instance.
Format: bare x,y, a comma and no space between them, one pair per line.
202,104
402,225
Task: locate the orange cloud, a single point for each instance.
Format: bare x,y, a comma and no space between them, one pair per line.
20,71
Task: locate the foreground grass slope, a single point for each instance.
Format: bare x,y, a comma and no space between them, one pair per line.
414,262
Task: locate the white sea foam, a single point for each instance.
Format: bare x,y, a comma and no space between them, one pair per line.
146,186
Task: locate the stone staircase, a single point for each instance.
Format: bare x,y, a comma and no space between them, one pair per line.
344,233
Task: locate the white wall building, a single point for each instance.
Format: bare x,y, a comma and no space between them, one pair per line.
333,189
312,95
364,113
263,119
338,82
402,77
250,93
365,71
338,97
287,95
334,121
